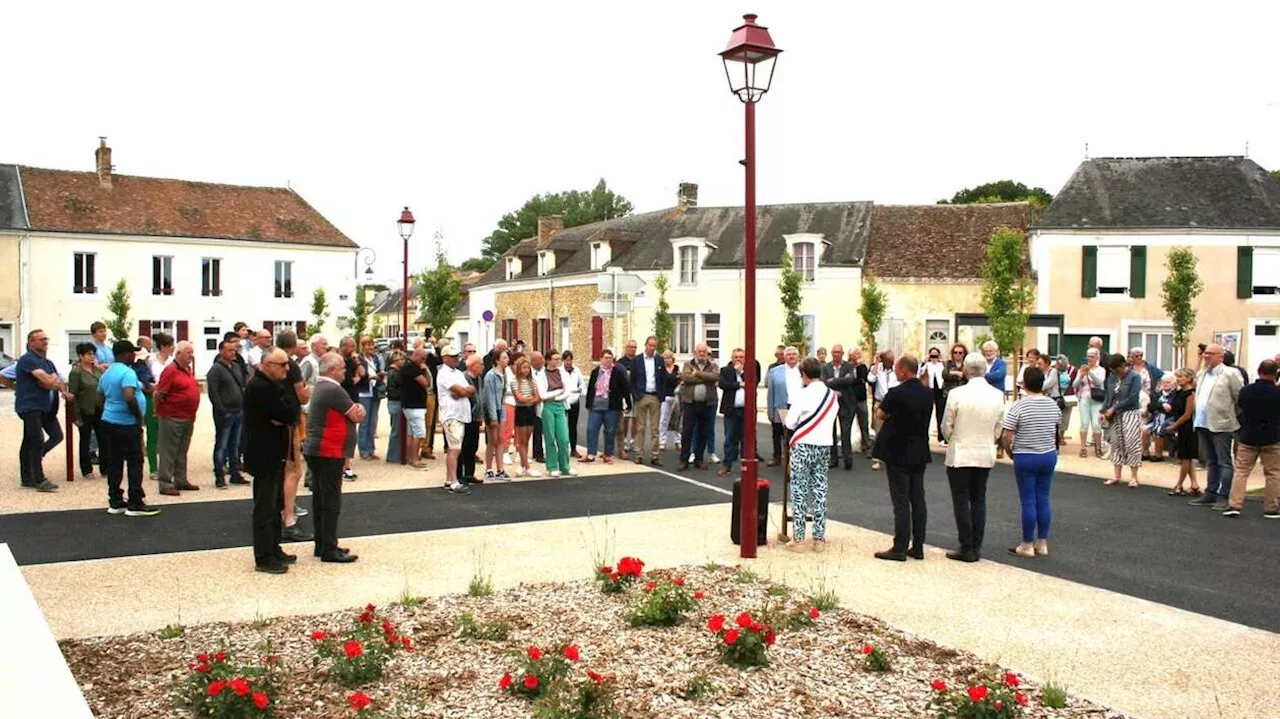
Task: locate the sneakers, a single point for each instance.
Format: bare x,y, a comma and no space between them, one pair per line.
459,489
714,458
531,472
571,472
115,510
350,476
1231,512
555,474
46,486
502,476
489,474
300,512
141,509
1024,549
1273,514
1042,547
1221,507
294,533
1204,500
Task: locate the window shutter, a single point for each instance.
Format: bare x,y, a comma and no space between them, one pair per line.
546,335
1138,271
182,330
597,336
1089,271
515,332
300,327
144,328
269,326
1244,272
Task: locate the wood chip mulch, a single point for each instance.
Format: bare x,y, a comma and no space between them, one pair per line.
816,671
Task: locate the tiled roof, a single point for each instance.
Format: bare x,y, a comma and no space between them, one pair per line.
63,201
936,241
12,214
1167,192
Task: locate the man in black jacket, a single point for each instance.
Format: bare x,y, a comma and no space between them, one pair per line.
845,379
267,416
903,445
733,384
1258,440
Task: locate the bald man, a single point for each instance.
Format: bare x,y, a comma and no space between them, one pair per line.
177,401
268,418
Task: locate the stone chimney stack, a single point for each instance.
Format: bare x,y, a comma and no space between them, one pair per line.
548,225
687,196
103,157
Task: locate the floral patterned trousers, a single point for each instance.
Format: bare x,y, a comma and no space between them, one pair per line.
809,464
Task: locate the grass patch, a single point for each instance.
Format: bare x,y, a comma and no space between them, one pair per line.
468,628
481,586
409,599
712,566
825,599
172,631
1053,695
746,576
699,687
260,622
777,590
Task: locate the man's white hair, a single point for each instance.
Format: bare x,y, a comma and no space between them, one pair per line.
789,349
499,344
990,344
331,360
317,340
975,365
1093,352
182,345
1138,351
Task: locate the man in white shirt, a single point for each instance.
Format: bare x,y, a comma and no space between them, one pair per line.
971,424
261,346
882,378
933,374
455,412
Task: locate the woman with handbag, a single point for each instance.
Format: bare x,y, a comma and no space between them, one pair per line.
1090,387
1186,445
1123,417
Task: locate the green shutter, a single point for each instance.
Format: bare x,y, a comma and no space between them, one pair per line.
1138,271
1089,272
1244,272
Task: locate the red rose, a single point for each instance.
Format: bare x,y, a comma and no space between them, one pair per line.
204,668
757,627
731,636
366,618
271,659
606,569
369,608
203,658
744,620
650,586
595,677
571,652
530,681
220,657
716,623
998,705
352,649
260,700
1020,698
867,649
239,686
978,693
216,688
359,700
814,613
386,627
679,581
317,636
939,685
535,653
613,577
770,638
1011,679
505,681
698,594
408,644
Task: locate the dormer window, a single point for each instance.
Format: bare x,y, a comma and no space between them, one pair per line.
595,256
546,262
805,250
803,258
513,268
689,265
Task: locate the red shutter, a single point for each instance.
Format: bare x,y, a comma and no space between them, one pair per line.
144,328
515,332
300,327
597,337
269,326
546,335
182,331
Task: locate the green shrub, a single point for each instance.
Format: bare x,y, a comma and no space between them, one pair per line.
662,604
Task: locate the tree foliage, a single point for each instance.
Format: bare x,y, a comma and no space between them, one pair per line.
439,292
1181,286
118,304
476,264
874,306
319,312
664,325
1275,173
1007,293
358,322
576,206
1002,191
789,284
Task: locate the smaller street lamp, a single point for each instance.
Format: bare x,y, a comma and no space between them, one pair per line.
405,225
369,259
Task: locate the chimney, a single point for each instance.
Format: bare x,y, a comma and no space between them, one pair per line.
548,225
687,196
103,157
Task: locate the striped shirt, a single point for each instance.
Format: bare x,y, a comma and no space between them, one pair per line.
1034,421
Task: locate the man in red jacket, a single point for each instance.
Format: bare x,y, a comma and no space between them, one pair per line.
177,400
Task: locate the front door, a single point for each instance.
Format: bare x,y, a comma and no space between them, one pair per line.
1264,343
937,335
207,346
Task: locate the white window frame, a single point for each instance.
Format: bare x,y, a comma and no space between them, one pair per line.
595,255
1116,261
284,278
512,269
688,262
1266,259
80,262
210,276
73,339
566,333
169,327
542,264
817,243
803,260
684,345
162,285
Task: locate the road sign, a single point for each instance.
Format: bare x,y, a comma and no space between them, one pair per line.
488,315
605,307
626,284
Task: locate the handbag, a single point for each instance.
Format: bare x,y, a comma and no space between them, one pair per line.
1097,394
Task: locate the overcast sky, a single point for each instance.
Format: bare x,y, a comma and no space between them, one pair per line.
464,110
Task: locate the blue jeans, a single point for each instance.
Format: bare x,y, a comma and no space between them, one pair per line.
1215,450
367,428
226,443
393,444
711,435
1034,473
607,418
732,437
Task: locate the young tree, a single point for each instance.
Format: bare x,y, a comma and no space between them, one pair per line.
664,326
1007,294
577,208
118,305
359,319
319,312
439,292
1181,286
789,284
874,305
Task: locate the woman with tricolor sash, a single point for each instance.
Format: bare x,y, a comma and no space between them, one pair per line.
810,417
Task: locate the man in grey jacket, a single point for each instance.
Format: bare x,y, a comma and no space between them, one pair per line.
226,392
1217,394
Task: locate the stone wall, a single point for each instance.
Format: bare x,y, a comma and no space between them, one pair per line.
573,302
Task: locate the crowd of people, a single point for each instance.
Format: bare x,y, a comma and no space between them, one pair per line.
293,412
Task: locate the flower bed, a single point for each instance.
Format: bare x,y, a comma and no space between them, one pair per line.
816,665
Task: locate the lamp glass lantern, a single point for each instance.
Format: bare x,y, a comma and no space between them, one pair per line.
405,224
749,60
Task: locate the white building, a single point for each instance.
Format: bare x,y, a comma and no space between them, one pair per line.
197,257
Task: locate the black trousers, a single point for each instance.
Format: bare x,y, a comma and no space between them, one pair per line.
574,410
777,440
840,430
87,432
31,453
470,445
906,489
864,432
969,498
698,417
268,503
939,407
121,456
538,454
326,501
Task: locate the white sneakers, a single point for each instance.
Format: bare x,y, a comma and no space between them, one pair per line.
555,474
532,473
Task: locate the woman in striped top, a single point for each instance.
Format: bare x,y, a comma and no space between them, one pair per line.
1031,435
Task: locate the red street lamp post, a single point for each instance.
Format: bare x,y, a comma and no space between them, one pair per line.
748,65
405,224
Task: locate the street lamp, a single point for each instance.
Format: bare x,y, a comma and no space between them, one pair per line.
405,225
748,65
368,262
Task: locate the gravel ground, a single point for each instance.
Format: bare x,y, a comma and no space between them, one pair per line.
816,671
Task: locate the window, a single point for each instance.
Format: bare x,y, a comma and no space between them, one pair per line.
564,334
810,334
161,275
1113,271
542,334
212,337
1266,271
154,327
511,268
542,263
278,326
284,278
76,338
688,265
937,335
510,331
463,338
1156,344
804,261
84,281
682,339
711,333
211,277
595,255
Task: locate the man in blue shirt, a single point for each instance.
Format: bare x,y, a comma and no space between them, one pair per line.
123,407
102,349
36,378
997,369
